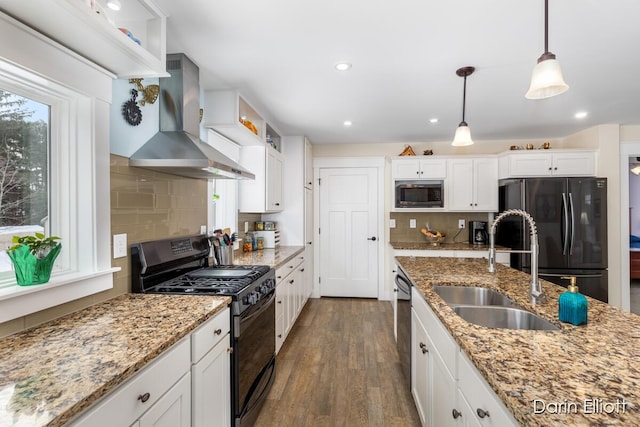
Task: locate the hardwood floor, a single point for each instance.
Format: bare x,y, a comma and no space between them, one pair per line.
339,367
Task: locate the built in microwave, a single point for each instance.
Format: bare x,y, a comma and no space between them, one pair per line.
417,194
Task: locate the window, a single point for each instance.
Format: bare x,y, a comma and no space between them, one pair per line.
24,171
75,185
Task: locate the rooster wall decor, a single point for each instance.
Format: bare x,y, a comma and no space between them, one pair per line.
149,93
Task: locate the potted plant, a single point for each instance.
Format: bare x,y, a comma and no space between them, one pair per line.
33,257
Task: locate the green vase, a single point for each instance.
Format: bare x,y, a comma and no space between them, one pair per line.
31,270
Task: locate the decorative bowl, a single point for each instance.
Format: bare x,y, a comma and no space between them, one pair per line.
434,240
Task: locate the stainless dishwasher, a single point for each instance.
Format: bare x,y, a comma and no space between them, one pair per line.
403,321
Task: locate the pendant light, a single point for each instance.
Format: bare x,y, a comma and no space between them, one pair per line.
546,79
463,133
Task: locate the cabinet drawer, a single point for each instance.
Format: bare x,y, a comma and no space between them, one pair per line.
438,335
124,405
288,268
207,335
479,395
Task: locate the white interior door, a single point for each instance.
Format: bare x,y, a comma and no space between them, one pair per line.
348,232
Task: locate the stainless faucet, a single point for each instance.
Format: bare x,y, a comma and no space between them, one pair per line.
537,296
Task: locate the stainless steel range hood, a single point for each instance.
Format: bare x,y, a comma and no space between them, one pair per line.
176,149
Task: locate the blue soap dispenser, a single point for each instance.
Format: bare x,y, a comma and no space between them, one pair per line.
572,305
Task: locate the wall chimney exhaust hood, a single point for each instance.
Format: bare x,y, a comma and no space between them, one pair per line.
176,149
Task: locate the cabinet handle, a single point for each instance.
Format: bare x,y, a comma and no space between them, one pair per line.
217,331
482,413
308,243
144,397
395,289
279,335
456,414
279,302
277,204
555,169
291,281
229,349
417,172
279,277
423,346
302,270
470,204
549,168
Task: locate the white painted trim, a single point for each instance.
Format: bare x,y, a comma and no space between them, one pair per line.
353,162
57,291
627,149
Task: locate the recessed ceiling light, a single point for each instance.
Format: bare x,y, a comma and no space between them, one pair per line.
580,115
343,66
347,123
434,120
114,4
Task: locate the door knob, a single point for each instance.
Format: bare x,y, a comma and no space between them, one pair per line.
372,238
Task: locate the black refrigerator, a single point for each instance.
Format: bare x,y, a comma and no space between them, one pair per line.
571,218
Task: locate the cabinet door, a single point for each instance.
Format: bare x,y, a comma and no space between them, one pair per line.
282,309
485,184
173,409
274,182
433,169
523,165
465,416
405,169
212,387
308,164
443,394
574,164
420,369
460,189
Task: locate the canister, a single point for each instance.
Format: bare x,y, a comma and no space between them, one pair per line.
259,225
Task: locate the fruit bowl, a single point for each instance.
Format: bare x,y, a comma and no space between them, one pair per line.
433,237
434,240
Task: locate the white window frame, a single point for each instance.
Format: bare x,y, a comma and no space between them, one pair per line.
79,93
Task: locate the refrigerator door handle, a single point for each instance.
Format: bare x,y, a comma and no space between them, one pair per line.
565,223
573,224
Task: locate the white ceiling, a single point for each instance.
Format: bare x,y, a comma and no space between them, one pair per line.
281,54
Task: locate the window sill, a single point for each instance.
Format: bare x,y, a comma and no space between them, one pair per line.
17,301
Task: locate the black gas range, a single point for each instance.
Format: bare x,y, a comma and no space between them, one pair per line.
179,266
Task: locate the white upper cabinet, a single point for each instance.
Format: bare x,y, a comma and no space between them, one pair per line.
264,194
472,184
522,164
229,114
95,33
414,167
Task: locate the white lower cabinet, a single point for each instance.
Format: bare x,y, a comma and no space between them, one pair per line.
188,385
211,373
145,392
446,387
292,292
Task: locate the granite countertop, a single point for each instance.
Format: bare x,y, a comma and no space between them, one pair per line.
272,257
444,246
50,373
574,365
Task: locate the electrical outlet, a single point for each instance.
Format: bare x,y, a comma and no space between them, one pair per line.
246,226
119,245
203,229
392,223
461,223
412,223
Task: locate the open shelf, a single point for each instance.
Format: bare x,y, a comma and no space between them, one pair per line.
93,32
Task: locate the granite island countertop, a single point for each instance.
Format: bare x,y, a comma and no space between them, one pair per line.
52,372
445,246
600,360
274,258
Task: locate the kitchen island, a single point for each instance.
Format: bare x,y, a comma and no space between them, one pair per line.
52,372
577,375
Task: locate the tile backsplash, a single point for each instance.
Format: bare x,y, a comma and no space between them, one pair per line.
446,222
146,205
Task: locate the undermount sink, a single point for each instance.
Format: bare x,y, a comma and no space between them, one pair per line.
503,317
471,295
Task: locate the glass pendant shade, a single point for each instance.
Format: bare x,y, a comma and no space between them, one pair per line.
462,137
546,80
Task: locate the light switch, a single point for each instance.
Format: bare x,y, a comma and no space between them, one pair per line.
392,223
412,223
119,245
